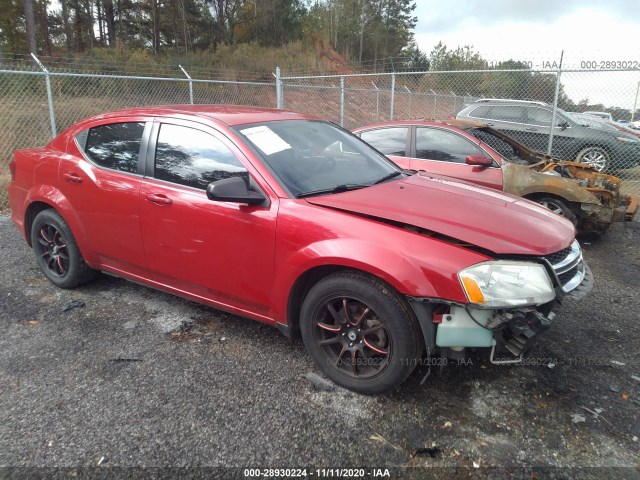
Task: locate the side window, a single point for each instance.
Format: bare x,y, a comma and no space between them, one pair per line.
507,113
480,112
390,141
194,158
499,145
437,144
539,116
115,146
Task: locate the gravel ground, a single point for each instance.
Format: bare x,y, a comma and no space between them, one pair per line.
139,378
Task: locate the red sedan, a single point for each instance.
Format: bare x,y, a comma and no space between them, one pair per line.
294,222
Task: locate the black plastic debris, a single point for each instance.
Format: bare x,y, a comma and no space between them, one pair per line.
319,382
125,359
73,304
433,452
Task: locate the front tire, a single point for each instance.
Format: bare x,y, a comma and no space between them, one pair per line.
596,157
57,252
360,332
558,207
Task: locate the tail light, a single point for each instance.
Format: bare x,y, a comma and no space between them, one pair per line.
12,169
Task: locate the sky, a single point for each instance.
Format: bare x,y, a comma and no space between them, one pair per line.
589,32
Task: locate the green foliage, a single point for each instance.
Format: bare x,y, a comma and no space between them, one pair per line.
363,30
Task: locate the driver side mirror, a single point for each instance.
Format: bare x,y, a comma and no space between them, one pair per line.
563,125
478,160
235,190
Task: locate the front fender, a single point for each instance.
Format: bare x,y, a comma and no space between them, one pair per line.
414,275
522,181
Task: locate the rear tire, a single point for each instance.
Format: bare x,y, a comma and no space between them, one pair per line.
57,252
360,332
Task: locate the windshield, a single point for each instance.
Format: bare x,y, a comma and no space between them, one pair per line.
310,157
591,121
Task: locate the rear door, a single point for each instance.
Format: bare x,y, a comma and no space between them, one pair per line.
100,176
391,141
219,251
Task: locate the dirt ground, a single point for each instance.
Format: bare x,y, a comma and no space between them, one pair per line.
139,378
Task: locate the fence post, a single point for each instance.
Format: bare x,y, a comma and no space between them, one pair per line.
407,89
190,84
377,100
279,100
435,101
635,103
555,105
52,117
393,92
342,101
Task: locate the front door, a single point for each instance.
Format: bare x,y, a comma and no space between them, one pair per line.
220,251
444,152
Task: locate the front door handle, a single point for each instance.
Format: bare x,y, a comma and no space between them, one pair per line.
531,129
158,199
73,178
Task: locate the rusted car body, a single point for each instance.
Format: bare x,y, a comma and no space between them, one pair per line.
594,197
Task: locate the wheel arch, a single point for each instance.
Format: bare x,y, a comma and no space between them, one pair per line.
32,211
307,280
47,197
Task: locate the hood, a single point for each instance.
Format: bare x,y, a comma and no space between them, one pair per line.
488,219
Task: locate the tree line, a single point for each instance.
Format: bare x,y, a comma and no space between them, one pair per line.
361,30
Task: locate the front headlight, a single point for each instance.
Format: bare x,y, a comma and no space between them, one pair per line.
504,283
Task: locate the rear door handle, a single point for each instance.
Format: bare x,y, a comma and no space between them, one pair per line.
73,178
158,199
531,129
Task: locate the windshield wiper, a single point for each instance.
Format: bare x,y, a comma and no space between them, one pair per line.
337,189
387,177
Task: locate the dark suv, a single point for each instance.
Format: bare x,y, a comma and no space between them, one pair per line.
530,123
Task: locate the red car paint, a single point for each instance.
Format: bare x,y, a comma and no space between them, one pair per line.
249,259
487,177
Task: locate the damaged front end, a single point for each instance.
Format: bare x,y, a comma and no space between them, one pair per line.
511,303
616,207
593,197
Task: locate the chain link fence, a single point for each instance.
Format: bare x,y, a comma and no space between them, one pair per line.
535,105
36,105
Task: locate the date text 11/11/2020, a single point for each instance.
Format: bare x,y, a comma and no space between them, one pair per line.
316,472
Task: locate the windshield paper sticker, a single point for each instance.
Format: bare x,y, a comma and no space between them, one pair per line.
266,139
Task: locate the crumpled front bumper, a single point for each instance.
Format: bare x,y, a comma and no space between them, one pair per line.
584,287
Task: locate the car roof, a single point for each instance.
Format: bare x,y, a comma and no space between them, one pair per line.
509,100
461,124
229,114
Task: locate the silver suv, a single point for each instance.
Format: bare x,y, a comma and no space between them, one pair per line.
530,123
